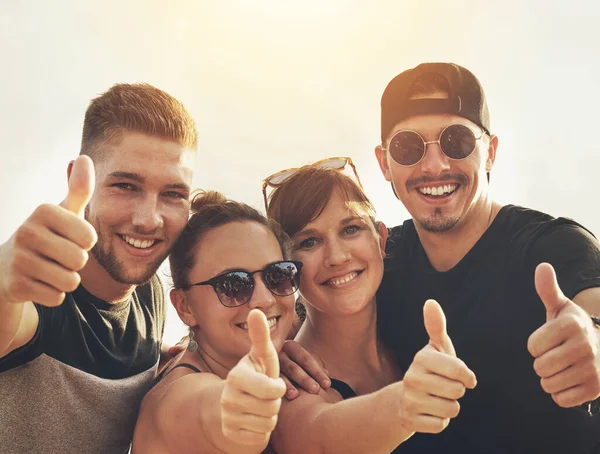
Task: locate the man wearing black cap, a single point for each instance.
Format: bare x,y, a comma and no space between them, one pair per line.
532,340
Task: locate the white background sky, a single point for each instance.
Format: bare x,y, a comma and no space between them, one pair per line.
280,83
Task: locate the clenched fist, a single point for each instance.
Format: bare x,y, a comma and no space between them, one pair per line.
40,261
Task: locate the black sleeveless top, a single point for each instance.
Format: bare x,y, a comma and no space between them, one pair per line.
166,371
343,388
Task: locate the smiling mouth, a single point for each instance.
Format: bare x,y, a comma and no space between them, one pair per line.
137,243
271,321
440,191
342,280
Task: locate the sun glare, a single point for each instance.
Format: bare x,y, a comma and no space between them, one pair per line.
295,11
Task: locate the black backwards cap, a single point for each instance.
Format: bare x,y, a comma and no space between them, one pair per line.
465,97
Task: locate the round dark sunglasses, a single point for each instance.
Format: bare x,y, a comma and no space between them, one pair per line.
235,288
408,148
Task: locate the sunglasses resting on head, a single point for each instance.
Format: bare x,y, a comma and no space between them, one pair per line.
279,178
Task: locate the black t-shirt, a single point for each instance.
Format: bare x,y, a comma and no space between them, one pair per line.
107,340
492,308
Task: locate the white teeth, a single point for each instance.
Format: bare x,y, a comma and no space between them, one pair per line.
438,190
271,322
343,279
140,244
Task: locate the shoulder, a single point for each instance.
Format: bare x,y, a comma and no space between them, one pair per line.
541,232
569,247
399,237
152,291
185,363
175,385
534,224
166,416
530,231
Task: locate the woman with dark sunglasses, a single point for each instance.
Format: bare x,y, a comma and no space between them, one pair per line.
372,406
234,288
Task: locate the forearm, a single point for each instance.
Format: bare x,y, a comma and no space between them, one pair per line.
369,423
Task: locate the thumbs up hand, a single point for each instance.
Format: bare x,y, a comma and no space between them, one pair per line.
40,261
435,380
262,353
567,347
253,390
435,325
81,186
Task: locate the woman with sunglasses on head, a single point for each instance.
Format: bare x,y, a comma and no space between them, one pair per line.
234,288
371,406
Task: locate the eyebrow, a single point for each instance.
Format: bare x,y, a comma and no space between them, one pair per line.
344,221
127,176
118,175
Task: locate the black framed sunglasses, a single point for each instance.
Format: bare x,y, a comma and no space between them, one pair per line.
408,148
235,288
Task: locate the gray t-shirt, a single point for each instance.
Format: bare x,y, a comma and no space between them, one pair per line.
76,387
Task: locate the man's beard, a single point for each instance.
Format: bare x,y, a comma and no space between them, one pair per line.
438,223
117,270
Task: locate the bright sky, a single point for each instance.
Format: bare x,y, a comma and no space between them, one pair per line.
280,83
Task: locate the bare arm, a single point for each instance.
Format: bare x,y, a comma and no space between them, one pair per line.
324,423
589,300
203,413
19,323
40,261
188,417
378,422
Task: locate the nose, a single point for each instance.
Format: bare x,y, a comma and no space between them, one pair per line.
262,298
147,216
336,253
435,161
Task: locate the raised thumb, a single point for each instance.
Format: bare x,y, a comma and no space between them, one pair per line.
81,185
435,325
262,353
548,290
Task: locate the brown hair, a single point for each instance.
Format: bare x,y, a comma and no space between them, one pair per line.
427,84
140,108
211,209
303,197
